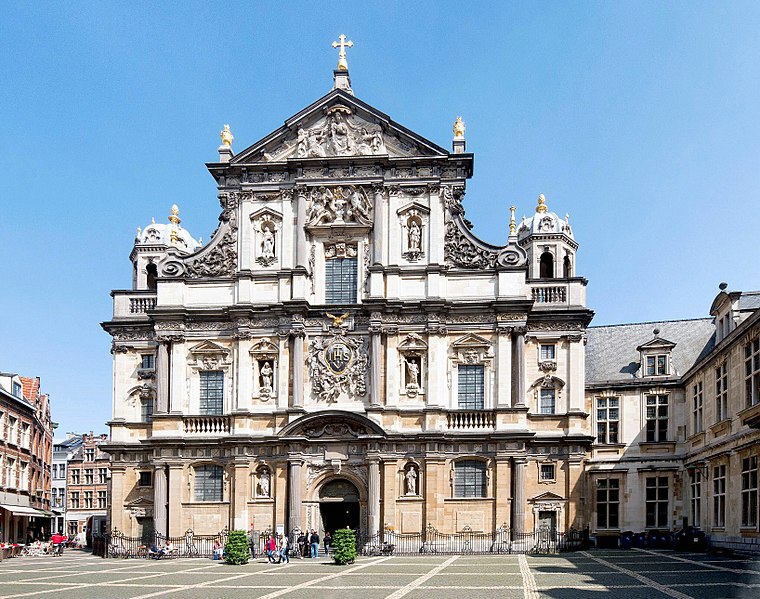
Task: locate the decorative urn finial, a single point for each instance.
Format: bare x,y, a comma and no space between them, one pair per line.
459,128
226,136
541,208
174,216
342,44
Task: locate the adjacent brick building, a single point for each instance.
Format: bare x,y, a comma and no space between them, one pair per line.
87,483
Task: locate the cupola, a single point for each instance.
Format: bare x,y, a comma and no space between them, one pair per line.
548,240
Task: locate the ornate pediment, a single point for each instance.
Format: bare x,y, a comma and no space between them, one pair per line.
338,125
548,496
209,356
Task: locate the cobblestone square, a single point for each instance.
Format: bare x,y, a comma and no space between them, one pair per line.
636,574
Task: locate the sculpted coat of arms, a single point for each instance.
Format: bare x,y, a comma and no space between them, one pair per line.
338,366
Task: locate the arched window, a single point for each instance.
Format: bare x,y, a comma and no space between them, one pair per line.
470,478
568,267
209,483
546,270
152,271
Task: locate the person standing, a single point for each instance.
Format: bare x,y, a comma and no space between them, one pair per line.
271,548
284,548
314,540
327,542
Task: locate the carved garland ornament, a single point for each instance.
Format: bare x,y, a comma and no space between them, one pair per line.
221,258
337,365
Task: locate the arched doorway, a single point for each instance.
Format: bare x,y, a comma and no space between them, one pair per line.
339,505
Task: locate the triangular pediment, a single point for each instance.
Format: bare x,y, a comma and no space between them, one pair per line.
548,496
208,347
338,125
656,343
139,502
471,340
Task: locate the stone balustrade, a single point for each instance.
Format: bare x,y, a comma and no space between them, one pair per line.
471,419
133,304
549,294
206,425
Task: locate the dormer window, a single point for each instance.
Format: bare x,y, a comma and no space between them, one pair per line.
656,356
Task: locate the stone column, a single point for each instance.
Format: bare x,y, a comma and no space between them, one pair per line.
376,346
239,497
518,383
378,229
503,367
294,494
300,233
162,378
177,483
518,495
160,499
373,523
298,364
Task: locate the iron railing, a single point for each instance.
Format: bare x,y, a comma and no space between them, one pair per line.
428,542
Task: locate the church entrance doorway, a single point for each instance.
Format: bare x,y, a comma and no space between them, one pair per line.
339,505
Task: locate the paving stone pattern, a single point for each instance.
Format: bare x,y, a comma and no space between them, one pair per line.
635,574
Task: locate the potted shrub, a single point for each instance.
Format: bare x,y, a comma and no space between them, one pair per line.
236,549
344,546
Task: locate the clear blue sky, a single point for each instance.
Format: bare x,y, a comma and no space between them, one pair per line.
640,119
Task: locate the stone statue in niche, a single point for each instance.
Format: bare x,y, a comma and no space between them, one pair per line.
266,376
264,483
414,237
411,481
267,256
412,372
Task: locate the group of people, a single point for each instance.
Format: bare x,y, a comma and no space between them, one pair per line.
278,549
308,543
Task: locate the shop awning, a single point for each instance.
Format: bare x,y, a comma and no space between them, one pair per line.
23,510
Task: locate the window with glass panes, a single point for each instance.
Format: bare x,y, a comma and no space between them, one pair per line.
547,352
102,475
607,503
547,472
74,499
547,401
607,419
470,478
721,392
657,365
657,418
75,477
470,387
749,492
212,393
752,372
147,361
340,279
88,499
657,492
102,501
146,410
89,477
209,483
696,408
696,499
719,496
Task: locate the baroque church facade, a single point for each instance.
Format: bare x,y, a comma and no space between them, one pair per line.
345,351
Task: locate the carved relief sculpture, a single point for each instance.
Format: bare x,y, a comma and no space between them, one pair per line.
339,205
340,134
338,366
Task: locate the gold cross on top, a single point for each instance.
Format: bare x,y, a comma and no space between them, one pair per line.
343,44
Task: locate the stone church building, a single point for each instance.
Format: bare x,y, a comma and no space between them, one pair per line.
346,352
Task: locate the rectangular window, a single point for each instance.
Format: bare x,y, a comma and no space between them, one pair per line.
146,410
607,419
89,477
657,365
146,479
74,500
25,435
719,496
88,500
721,392
16,389
657,491
102,500
470,478
212,393
607,503
697,408
547,352
102,476
696,499
749,492
752,372
340,274
61,470
147,361
470,387
547,401
55,471
12,430
209,483
75,477
10,473
657,418
547,472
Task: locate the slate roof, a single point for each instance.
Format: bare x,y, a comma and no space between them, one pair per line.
611,350
749,300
